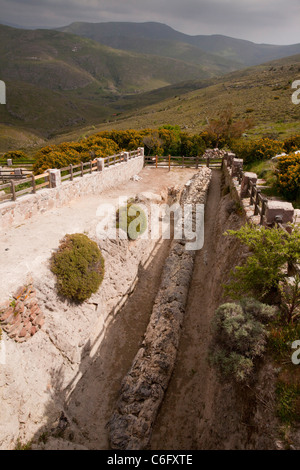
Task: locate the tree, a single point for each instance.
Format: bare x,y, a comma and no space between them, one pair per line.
225,129
264,271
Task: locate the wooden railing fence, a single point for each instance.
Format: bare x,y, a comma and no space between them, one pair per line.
181,161
258,201
19,182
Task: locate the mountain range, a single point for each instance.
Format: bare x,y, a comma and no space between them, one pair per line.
162,40
86,73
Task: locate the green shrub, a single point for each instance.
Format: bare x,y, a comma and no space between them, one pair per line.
292,143
281,338
62,155
16,155
288,177
288,397
79,267
239,337
263,270
132,219
257,150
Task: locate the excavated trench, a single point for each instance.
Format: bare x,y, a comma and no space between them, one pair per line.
200,411
197,411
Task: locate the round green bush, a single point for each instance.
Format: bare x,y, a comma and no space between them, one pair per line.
132,219
79,267
240,337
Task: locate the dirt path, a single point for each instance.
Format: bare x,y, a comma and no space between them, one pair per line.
188,399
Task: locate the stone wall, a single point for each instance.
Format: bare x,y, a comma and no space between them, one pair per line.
25,207
238,183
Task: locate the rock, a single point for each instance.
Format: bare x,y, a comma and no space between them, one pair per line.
144,386
148,196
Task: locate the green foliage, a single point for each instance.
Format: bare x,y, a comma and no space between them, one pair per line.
223,130
16,155
60,156
240,337
21,446
153,144
79,267
288,176
288,396
290,298
132,219
281,338
257,150
292,144
263,270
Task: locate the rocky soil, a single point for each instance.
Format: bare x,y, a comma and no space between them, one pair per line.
42,377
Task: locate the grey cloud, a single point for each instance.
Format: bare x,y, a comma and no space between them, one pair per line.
273,21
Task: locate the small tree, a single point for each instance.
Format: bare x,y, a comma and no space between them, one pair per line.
153,143
240,337
290,298
225,129
265,269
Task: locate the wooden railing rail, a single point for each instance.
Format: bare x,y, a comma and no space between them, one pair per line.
26,183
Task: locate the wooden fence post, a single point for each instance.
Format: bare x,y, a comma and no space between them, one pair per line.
197,162
33,184
49,177
252,186
182,161
263,209
207,162
257,199
156,160
169,162
13,190
81,168
71,172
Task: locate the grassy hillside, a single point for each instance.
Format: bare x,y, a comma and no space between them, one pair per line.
59,84
262,92
162,40
57,81
59,61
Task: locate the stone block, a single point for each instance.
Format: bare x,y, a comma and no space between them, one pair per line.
237,165
245,185
230,157
100,164
55,178
285,210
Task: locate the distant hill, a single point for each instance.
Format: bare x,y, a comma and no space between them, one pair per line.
160,39
59,82
262,93
56,80
60,61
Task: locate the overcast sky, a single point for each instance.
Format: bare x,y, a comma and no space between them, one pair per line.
268,21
